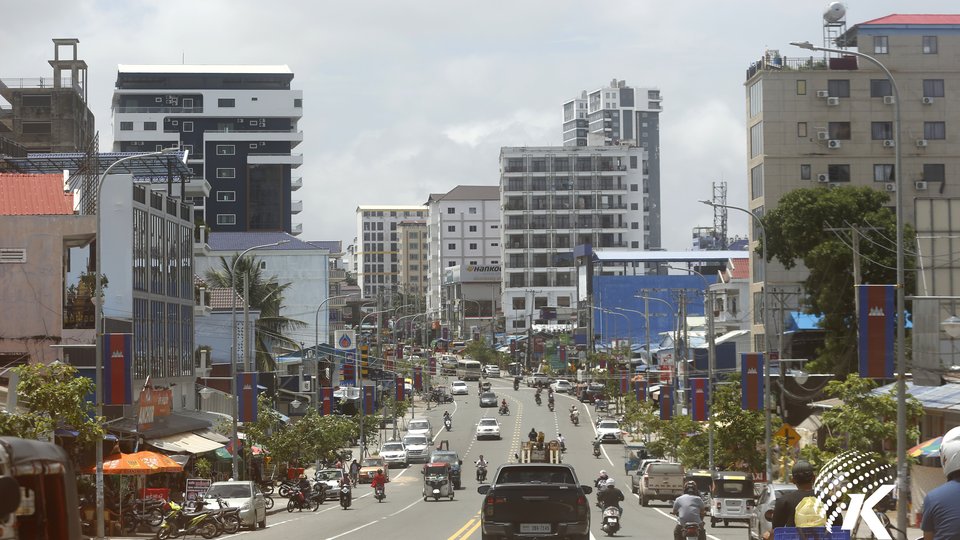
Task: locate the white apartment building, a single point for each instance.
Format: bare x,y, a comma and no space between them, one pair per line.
377,246
414,259
464,230
553,199
617,115
827,120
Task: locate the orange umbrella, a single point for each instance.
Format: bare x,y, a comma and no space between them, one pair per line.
145,462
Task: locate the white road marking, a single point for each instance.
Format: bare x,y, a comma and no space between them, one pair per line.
354,529
673,519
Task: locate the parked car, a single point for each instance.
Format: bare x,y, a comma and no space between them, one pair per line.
369,467
394,453
758,523
331,478
488,399
488,428
420,426
491,370
609,431
561,386
459,388
661,481
245,495
591,393
637,475
417,448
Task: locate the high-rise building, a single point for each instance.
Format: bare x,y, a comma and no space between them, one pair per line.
239,124
553,199
377,246
414,258
617,115
827,120
464,230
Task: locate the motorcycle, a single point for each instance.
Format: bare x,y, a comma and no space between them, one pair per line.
596,449
689,531
575,418
481,473
346,496
299,500
538,399
504,410
380,494
516,384
182,523
228,517
611,520
287,487
140,512
550,405
448,423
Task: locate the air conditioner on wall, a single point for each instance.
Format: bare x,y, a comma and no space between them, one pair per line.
833,144
890,186
823,135
823,93
926,100
888,143
921,143
823,177
920,185
833,101
888,100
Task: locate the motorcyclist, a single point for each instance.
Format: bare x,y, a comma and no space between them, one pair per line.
610,495
550,398
562,441
601,480
447,418
303,488
503,406
379,480
689,508
481,465
532,435
941,514
516,383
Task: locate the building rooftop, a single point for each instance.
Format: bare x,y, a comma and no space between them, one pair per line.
333,246
34,195
239,241
151,166
392,207
205,68
467,193
740,268
898,19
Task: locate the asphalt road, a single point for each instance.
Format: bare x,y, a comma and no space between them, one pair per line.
405,515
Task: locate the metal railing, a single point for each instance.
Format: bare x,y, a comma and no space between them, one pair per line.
161,109
40,82
782,63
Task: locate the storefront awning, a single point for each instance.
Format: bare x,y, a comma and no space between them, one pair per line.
185,442
213,436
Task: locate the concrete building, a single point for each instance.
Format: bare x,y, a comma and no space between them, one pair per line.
617,115
827,120
731,297
47,114
472,300
239,125
414,259
377,246
553,199
464,230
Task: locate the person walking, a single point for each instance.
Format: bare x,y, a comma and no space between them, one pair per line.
354,472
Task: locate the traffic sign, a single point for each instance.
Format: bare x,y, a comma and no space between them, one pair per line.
344,339
787,432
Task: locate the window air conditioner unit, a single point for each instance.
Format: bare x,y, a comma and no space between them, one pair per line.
926,100
824,178
304,386
833,143
823,136
890,186
833,101
921,185
888,100
823,93
921,143
888,143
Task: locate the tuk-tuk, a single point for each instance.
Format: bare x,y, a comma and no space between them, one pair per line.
731,494
436,481
38,491
704,479
633,453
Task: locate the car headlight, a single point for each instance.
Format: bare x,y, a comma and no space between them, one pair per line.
245,506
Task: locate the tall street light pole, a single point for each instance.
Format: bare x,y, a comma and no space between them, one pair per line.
767,435
901,308
646,316
359,374
98,326
234,357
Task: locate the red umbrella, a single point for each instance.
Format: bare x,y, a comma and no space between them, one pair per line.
144,462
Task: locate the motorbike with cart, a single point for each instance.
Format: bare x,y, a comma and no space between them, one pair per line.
436,481
731,495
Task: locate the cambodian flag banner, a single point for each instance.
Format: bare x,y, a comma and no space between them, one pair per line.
751,380
640,390
624,382
401,394
417,378
700,399
666,401
326,400
877,329
117,357
432,365
247,397
369,399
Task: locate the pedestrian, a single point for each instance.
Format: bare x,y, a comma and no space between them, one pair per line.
941,513
354,472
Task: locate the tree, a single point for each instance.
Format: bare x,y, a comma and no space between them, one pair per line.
738,434
265,295
479,351
797,231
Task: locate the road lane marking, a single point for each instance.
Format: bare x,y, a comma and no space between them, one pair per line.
355,529
674,519
405,508
466,526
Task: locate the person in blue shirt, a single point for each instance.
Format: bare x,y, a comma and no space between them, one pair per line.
941,506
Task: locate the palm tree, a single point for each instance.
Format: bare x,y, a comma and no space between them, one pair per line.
265,295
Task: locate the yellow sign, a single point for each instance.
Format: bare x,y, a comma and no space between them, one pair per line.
787,432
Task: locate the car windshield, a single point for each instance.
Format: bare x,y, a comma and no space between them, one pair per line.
330,475
608,425
488,422
229,491
444,458
488,395
459,383
418,425
372,462
395,447
415,441
524,475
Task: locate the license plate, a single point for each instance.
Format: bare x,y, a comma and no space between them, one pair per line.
529,528
613,519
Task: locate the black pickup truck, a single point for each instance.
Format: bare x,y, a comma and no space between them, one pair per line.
535,500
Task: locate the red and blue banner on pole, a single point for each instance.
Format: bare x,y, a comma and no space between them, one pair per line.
417,378
699,399
349,374
401,393
640,390
432,364
369,399
666,401
751,381
388,362
326,400
562,350
117,358
877,328
624,382
247,397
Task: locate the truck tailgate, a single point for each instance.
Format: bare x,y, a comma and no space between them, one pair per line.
545,503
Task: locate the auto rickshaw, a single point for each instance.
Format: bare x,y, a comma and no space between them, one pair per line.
632,454
703,478
436,481
731,493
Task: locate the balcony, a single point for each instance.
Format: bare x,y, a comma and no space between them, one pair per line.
296,183
296,229
810,63
158,110
296,207
294,160
293,136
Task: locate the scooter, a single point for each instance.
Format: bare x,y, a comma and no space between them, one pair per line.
448,423
689,531
504,410
611,520
516,384
346,496
596,449
379,494
550,405
300,500
481,473
575,418
538,399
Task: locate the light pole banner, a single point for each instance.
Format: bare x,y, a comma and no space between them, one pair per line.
401,393
417,378
877,329
326,400
666,402
247,397
624,382
116,350
751,381
640,389
369,400
432,364
699,399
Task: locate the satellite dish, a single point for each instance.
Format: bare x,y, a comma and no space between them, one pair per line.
834,12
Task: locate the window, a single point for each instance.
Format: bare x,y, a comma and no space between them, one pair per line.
934,130
880,45
756,181
226,150
252,146
451,210
633,162
880,88
929,44
634,206
226,172
838,87
298,103
838,173
805,171
126,126
472,210
226,219
882,172
451,228
801,88
933,88
839,130
756,139
473,246
634,187
880,131
934,172
149,126
226,102
801,129
226,196
756,98
187,127
451,246
38,128
473,228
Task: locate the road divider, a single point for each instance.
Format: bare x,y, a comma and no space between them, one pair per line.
468,529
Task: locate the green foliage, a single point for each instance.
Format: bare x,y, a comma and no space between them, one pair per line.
479,351
738,434
203,468
797,232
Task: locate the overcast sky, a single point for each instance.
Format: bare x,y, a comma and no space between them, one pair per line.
404,98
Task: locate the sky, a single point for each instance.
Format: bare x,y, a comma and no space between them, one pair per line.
404,98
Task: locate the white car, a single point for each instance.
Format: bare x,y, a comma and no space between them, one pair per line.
492,370
417,448
488,428
609,431
562,386
420,426
394,453
331,478
245,496
458,388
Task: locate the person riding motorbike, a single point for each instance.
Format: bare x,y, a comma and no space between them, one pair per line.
941,514
532,435
689,508
503,406
601,480
379,480
610,495
516,383
596,445
562,441
481,465
550,399
303,488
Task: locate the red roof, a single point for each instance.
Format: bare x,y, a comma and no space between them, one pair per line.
34,195
924,19
741,269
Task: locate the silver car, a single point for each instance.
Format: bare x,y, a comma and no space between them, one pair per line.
394,453
758,523
243,495
417,448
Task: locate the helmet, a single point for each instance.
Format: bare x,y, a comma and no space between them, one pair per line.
802,472
603,473
379,471
950,452
610,482
690,488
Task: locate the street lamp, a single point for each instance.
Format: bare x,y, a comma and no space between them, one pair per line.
233,351
98,326
901,310
767,434
358,374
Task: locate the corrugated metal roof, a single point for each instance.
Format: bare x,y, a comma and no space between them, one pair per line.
740,269
333,246
239,241
917,19
941,398
468,193
34,195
